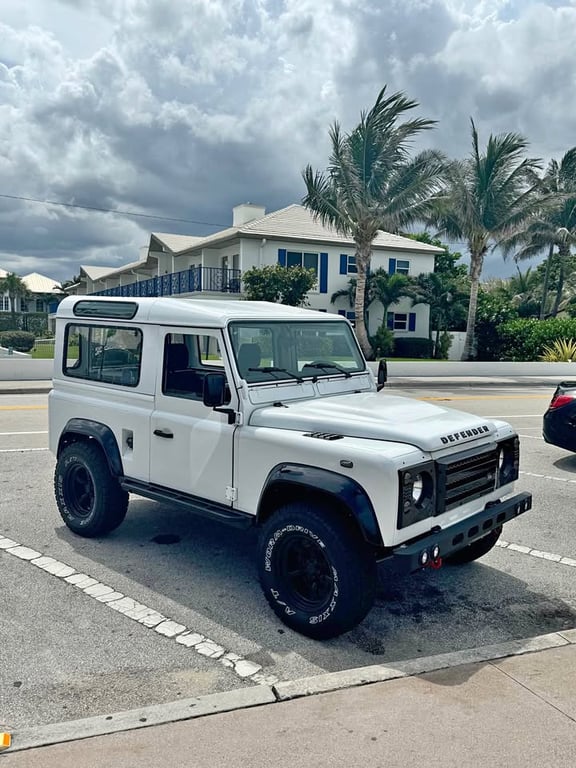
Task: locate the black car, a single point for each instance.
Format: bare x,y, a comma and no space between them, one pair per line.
559,426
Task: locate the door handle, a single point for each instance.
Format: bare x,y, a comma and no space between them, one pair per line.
163,433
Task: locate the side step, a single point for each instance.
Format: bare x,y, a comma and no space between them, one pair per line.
197,505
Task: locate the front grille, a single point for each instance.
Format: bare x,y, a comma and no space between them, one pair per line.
465,477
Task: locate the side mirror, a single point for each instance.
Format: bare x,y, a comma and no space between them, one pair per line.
214,394
382,375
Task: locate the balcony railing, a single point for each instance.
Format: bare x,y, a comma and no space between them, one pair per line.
193,280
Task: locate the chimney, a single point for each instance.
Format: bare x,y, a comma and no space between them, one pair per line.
242,214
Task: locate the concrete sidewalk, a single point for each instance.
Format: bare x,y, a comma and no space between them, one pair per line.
505,713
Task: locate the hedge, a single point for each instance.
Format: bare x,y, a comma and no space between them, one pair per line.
21,341
524,339
413,347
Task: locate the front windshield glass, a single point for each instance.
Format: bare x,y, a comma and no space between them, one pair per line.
295,350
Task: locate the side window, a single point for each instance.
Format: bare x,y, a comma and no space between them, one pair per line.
187,359
103,353
402,267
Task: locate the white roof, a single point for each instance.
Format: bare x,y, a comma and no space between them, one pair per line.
211,313
176,243
3,273
37,283
297,223
95,273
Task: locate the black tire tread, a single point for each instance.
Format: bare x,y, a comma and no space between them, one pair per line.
355,557
112,499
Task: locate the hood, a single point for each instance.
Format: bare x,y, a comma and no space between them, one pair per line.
378,417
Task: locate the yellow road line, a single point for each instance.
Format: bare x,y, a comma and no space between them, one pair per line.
23,407
488,397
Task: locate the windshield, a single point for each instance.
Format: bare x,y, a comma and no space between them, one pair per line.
269,351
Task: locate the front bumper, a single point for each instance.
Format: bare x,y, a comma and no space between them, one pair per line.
406,558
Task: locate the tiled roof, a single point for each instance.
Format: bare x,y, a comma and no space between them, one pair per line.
297,223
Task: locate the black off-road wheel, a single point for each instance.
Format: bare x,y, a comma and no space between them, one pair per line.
90,500
316,572
475,550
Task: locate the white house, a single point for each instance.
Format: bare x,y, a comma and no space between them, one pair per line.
212,265
44,294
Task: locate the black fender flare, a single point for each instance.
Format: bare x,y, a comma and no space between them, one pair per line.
344,489
87,428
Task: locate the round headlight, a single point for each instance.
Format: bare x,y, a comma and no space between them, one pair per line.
417,489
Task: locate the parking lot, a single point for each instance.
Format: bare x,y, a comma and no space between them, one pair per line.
66,654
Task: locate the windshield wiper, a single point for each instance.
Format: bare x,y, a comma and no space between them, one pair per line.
326,366
274,369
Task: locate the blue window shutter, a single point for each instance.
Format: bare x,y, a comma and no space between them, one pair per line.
282,257
342,312
391,266
412,321
343,264
390,321
323,278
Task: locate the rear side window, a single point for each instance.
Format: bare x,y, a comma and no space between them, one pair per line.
103,353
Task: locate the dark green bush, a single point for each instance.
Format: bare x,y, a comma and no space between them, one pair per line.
382,342
21,341
413,347
35,322
525,338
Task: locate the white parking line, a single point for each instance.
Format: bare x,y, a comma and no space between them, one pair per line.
547,477
43,432
530,437
537,553
142,614
21,450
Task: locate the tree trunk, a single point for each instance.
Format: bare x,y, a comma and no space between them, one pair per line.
546,282
362,265
476,261
563,253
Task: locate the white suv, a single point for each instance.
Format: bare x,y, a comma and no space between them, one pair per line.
263,415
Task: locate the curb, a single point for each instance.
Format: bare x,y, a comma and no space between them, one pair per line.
243,698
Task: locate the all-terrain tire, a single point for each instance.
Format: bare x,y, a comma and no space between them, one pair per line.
475,550
316,572
90,500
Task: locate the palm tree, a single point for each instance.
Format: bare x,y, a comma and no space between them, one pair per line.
15,288
371,183
445,296
490,194
555,227
389,289
380,286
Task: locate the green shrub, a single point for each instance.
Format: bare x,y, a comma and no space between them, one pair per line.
382,342
34,322
413,347
561,351
444,344
526,339
21,341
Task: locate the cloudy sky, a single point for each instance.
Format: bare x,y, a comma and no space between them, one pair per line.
184,108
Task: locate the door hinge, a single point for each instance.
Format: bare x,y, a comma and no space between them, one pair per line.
231,493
